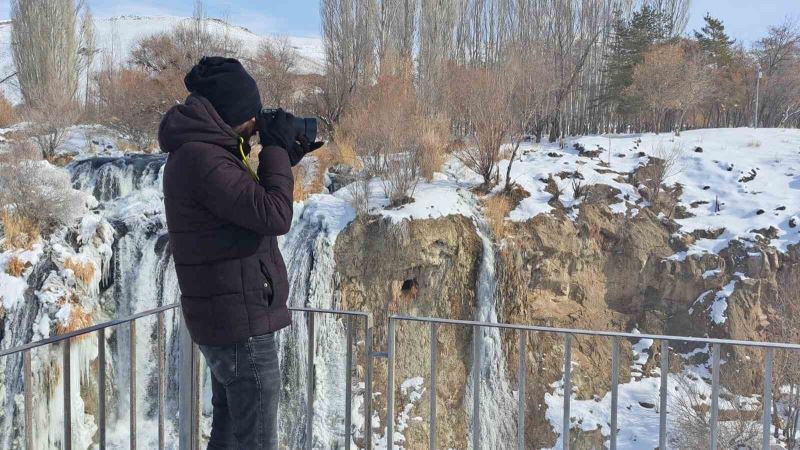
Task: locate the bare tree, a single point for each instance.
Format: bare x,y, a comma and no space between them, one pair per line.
485,116
88,49
669,80
675,14
436,27
274,68
349,54
45,50
44,47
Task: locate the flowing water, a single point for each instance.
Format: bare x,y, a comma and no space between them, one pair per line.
141,277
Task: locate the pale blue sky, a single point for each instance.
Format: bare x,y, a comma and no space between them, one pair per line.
746,20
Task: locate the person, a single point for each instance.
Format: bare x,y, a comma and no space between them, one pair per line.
223,219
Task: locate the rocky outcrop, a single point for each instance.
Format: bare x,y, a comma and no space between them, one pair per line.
600,271
422,268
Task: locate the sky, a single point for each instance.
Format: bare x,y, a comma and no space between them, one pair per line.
745,20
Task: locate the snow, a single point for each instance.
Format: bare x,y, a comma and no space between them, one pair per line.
717,310
718,174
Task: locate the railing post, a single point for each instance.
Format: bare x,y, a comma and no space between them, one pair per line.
101,387
521,373
348,378
188,391
567,389
476,387
368,384
434,347
28,382
132,376
310,384
162,379
390,388
662,413
67,396
767,400
614,390
714,396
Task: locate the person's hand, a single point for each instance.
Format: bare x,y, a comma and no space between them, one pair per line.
278,130
301,148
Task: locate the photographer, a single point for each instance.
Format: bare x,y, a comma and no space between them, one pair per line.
223,219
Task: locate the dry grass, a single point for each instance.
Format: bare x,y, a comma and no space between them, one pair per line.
8,116
495,209
433,144
20,232
15,266
78,318
84,271
299,192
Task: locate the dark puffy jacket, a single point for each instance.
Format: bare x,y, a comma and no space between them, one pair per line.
223,226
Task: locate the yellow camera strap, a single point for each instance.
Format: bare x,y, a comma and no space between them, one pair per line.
244,159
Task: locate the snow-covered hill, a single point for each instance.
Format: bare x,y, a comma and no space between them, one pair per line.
117,35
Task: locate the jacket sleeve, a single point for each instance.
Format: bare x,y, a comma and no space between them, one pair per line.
229,192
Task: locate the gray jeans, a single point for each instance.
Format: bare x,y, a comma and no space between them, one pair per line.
245,384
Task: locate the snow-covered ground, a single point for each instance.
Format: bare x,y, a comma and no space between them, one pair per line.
116,36
753,175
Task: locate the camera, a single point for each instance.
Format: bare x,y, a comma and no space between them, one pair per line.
303,126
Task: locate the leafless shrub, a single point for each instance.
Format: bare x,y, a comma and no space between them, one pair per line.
483,112
34,191
663,165
359,195
785,327
580,190
48,126
131,103
691,421
384,129
273,68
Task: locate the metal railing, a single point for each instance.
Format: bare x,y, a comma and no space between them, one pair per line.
568,334
190,377
189,407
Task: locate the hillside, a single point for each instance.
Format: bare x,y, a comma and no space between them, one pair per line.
117,35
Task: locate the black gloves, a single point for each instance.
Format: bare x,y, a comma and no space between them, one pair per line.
279,130
301,148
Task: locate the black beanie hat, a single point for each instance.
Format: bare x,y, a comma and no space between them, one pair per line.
229,88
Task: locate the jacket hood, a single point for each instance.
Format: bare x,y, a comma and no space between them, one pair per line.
195,120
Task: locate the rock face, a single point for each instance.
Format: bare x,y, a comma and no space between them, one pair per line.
601,271
423,268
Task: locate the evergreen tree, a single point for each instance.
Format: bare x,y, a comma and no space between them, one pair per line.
715,42
630,40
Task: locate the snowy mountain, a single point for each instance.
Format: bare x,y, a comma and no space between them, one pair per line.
116,36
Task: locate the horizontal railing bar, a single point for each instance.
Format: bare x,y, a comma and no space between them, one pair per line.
332,311
150,312
379,354
599,333
87,330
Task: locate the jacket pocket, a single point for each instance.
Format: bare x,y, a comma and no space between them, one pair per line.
269,290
